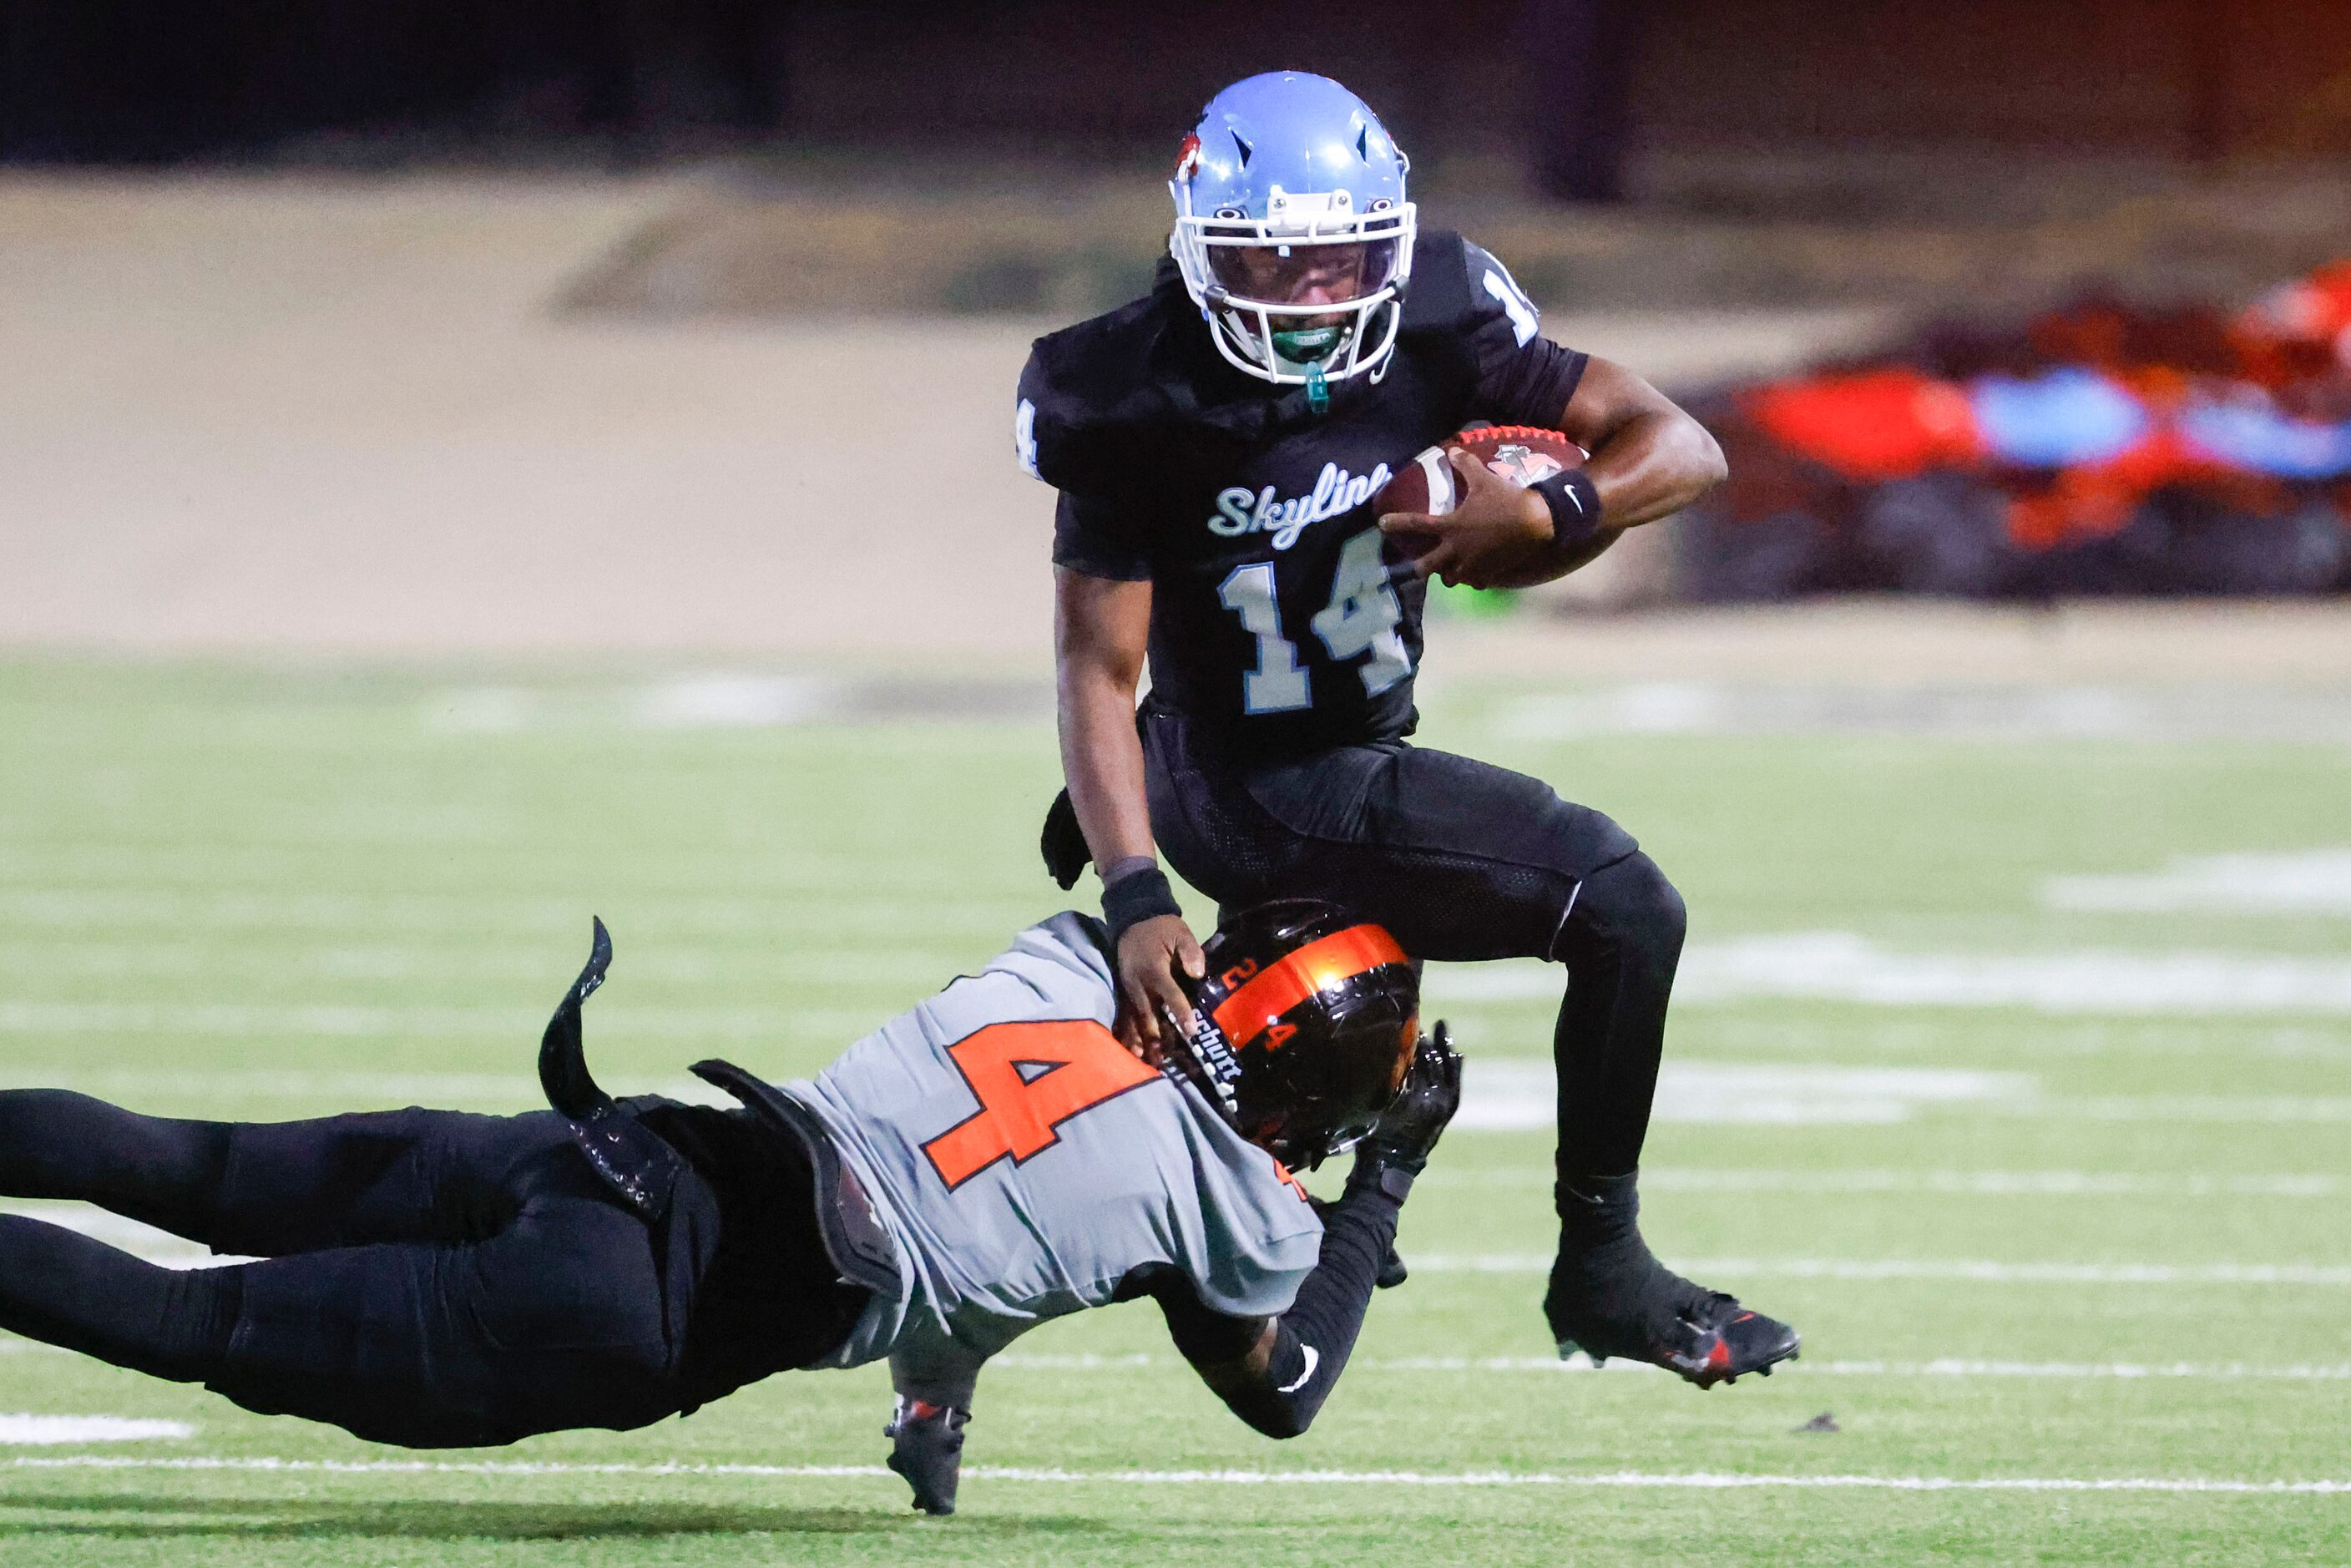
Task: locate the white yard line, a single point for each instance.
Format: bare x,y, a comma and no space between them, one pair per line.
2004,713
2316,882
1821,966
160,1246
1507,1095
242,1020
1516,1094
2226,1371
1846,966
1867,1180
1693,1480
1949,1366
42,1431
1959,1367
517,968
2330,1276
1501,1095
824,910
2282,1109
355,1089
1739,1037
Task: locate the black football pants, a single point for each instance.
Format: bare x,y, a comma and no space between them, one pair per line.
429,1277
1462,860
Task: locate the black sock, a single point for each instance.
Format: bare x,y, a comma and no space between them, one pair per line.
60,1287
1608,1291
164,1173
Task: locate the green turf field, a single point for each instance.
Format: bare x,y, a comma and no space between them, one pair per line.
2052,1181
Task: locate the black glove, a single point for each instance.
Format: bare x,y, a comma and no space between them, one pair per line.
1398,1147
1063,842
927,1449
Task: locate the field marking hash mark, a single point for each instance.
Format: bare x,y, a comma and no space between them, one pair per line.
1699,1480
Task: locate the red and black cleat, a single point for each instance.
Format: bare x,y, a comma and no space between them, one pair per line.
1715,1341
1728,1342
1609,1296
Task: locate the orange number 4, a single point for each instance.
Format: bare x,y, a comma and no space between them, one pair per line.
1029,1077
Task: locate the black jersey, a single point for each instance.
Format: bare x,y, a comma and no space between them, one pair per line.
1273,621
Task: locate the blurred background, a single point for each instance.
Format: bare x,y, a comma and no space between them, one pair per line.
463,466
365,317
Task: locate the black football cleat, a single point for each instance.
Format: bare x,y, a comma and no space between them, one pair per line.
1609,1296
1727,1342
1714,1340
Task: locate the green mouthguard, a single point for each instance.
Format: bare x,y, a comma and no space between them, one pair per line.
1304,345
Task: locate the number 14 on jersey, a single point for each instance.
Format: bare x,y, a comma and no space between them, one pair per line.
1361,618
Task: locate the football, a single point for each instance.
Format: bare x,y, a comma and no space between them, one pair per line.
1521,454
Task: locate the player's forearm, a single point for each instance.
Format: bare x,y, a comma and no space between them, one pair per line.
1101,631
1280,1387
1101,762
1652,466
1649,457
1648,461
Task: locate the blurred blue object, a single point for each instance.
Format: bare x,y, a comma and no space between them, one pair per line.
2250,433
2057,419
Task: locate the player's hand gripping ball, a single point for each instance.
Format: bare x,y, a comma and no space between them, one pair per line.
1458,510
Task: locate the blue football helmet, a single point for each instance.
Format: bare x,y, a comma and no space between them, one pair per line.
1293,231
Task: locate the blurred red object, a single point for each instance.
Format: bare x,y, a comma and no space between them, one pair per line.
2299,332
1870,425
2095,501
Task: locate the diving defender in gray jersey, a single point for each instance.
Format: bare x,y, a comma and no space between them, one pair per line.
988,1161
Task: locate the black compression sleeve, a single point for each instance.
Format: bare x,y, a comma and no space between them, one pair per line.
1312,1340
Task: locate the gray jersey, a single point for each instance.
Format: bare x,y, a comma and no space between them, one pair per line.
1024,1163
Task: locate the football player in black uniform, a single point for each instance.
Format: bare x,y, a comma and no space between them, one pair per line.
1216,444
440,1279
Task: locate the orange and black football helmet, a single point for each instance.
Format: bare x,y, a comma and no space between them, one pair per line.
1305,1027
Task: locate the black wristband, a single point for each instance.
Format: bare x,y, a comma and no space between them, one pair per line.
1574,503
1137,896
1375,1174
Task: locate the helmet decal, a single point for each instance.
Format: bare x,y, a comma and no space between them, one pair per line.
1219,1065
1302,1029
1256,1008
1188,157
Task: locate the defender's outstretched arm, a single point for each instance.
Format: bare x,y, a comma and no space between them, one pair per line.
1275,1373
